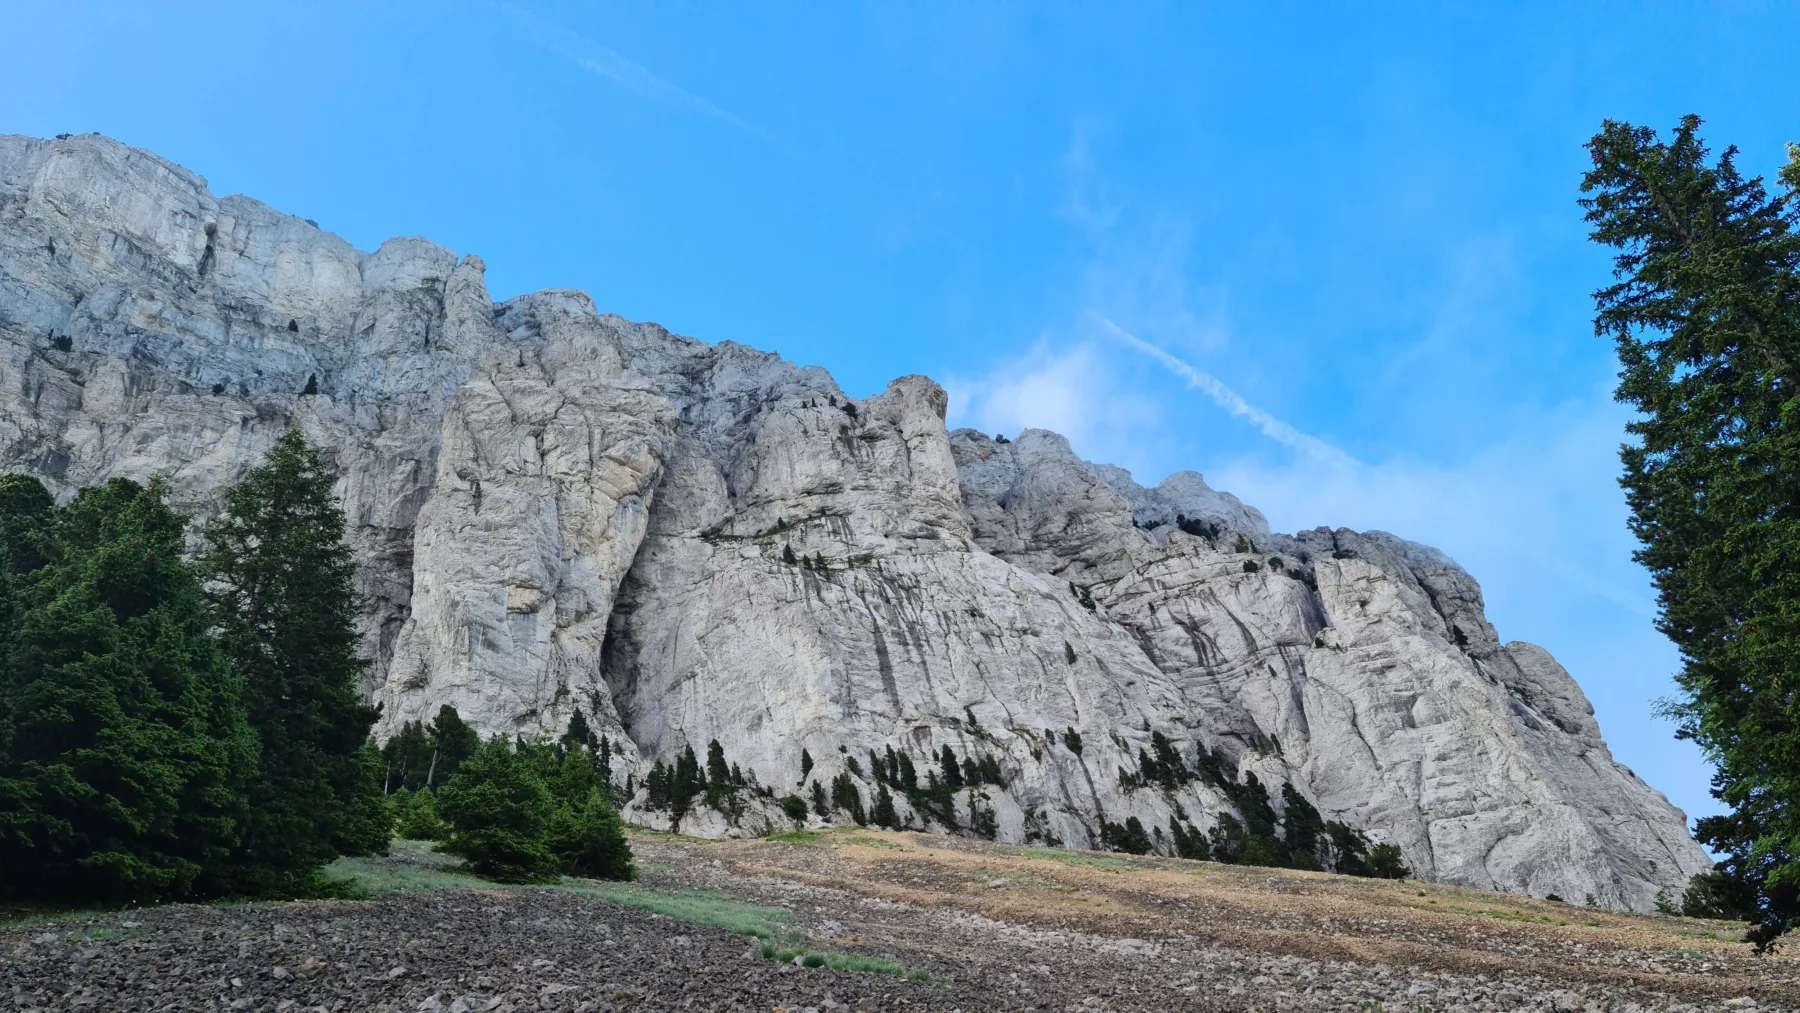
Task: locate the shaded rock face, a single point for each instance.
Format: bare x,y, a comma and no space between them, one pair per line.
557,509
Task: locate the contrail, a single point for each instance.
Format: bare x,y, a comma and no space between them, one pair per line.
597,59
1233,402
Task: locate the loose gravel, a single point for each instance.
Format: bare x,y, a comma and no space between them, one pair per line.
1067,942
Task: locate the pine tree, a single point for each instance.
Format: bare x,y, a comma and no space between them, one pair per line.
452,742
1301,823
1705,317
952,773
285,604
909,776
579,734
588,839
406,758
124,752
499,810
718,773
883,814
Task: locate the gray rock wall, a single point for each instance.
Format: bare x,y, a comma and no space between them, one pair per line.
556,508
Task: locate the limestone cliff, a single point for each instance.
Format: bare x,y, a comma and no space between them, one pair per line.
556,508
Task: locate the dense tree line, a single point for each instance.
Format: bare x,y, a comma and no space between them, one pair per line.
1299,837
174,728
1705,316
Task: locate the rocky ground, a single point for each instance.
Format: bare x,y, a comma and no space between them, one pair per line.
947,924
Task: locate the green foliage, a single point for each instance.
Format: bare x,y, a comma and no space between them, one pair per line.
1301,824
1264,850
718,773
1705,316
1189,842
1716,893
407,758
1129,837
794,806
846,797
366,827
907,779
284,602
883,814
675,787
1349,849
452,742
124,752
579,734
953,775
1385,862
589,840
499,809
1072,740
1226,838
806,764
416,816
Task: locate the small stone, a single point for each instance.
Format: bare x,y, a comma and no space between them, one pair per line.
396,972
279,973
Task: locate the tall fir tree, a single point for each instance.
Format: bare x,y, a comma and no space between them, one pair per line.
124,753
282,586
1705,316
452,742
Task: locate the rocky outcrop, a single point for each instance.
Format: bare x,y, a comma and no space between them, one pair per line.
557,509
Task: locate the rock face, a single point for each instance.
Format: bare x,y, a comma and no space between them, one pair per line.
558,509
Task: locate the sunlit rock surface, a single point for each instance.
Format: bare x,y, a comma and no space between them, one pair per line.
559,509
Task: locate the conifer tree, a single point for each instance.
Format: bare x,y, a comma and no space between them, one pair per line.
499,811
124,752
579,734
1705,316
452,742
285,604
718,773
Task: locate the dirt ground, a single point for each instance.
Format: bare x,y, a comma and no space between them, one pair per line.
913,921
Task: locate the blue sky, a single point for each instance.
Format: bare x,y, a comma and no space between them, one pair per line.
1353,226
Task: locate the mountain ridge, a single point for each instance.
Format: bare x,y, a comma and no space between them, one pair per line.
556,508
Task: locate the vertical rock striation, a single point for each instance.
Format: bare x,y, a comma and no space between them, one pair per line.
558,509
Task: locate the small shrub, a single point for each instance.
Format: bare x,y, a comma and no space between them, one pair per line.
416,816
794,806
1717,894
589,840
1386,862
1129,837
1251,566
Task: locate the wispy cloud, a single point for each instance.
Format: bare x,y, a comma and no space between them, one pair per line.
597,59
1310,447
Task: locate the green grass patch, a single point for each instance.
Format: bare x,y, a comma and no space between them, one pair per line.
840,961
375,878
700,907
1068,857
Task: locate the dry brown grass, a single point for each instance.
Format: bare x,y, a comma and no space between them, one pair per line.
1312,915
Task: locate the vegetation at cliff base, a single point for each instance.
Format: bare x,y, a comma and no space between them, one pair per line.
170,728
1705,315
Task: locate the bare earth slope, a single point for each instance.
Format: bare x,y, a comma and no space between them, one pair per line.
968,925
555,508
